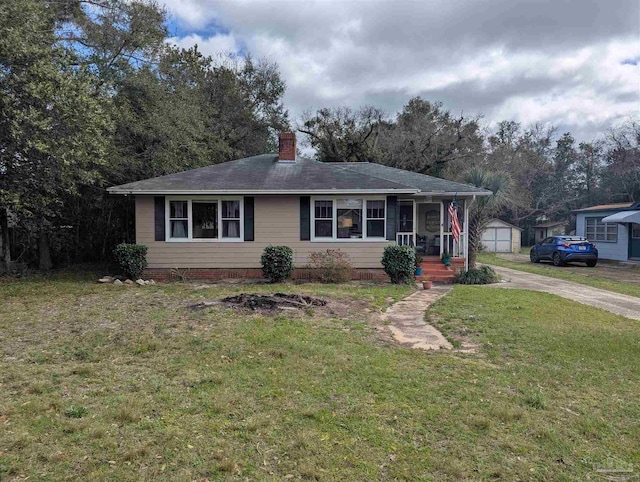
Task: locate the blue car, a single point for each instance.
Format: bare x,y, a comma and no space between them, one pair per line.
563,249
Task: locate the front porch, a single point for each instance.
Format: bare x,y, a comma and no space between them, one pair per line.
426,224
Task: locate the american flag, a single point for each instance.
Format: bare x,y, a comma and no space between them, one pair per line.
455,224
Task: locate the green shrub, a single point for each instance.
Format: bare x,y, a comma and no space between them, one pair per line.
132,259
330,266
477,276
399,263
277,263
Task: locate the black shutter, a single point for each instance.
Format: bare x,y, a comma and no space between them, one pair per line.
305,218
160,229
248,218
392,217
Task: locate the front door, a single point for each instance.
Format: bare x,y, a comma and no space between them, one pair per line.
405,218
634,248
405,224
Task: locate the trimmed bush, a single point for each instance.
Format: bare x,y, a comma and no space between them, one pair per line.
132,259
277,263
330,266
399,263
477,276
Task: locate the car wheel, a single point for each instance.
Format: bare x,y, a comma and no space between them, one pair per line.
534,257
592,264
557,260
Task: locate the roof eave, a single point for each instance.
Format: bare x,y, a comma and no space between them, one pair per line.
183,192
602,210
453,193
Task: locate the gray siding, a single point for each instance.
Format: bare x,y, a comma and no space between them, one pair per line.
606,250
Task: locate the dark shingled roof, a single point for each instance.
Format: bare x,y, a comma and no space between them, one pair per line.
265,174
606,207
421,182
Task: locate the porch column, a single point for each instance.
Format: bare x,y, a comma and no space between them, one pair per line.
415,224
466,235
441,227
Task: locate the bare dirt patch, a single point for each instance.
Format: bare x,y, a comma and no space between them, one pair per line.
256,302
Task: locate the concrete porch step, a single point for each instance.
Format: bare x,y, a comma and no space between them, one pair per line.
439,269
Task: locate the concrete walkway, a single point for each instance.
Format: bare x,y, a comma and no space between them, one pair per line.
624,305
407,323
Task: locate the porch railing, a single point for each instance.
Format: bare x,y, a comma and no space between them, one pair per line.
455,249
405,239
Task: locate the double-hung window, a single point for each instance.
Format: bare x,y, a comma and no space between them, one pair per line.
323,223
348,219
179,219
596,230
230,219
375,218
204,220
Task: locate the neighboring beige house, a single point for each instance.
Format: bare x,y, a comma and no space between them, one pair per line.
547,229
501,237
216,221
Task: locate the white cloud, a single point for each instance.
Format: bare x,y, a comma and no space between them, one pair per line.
553,62
216,44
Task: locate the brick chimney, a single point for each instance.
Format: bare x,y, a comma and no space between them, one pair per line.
287,147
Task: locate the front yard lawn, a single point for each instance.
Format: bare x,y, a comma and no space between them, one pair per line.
547,269
104,382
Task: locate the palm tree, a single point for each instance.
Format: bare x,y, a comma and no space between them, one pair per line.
485,208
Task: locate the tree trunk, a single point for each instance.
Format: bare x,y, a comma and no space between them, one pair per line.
5,242
473,256
43,249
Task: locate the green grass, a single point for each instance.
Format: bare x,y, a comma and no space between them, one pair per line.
593,280
113,383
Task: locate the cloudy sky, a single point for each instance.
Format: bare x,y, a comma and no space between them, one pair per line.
571,63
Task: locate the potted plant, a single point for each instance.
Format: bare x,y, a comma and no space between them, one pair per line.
446,258
427,284
418,264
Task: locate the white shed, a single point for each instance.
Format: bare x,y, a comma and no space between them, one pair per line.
501,237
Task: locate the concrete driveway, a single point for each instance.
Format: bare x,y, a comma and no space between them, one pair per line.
624,305
628,272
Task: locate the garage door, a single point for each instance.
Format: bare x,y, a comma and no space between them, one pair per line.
497,240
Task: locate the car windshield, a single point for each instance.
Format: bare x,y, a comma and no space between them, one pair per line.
573,239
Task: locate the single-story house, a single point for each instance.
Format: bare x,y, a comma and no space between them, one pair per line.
549,228
216,221
614,228
501,237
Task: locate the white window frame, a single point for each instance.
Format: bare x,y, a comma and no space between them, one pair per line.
383,219
223,219
169,219
334,238
598,221
331,220
190,238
